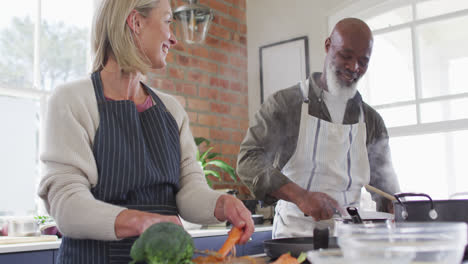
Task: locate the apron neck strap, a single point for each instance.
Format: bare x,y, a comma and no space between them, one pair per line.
99,91
98,87
153,95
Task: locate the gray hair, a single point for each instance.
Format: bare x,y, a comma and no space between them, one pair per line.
112,35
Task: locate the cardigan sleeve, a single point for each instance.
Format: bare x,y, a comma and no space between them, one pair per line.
69,169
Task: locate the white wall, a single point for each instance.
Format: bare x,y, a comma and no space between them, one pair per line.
270,21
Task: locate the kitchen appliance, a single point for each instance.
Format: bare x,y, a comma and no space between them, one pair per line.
429,210
452,210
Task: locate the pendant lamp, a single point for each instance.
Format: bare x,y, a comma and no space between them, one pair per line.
193,21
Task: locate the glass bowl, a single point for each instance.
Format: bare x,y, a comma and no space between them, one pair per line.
326,256
425,242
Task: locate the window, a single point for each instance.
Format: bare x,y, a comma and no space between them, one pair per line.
417,82
42,44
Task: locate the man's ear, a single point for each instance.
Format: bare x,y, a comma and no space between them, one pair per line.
133,21
327,44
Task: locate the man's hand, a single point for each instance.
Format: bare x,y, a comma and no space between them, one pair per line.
233,210
316,204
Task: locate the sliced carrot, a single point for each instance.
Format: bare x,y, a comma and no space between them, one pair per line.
286,258
232,239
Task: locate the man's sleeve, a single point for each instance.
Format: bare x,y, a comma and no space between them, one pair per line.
382,174
261,147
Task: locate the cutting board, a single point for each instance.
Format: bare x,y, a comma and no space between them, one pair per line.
5,240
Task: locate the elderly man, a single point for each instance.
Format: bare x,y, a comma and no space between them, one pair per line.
314,147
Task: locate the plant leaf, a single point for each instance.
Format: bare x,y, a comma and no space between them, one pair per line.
203,156
197,156
224,166
209,183
200,140
212,155
212,172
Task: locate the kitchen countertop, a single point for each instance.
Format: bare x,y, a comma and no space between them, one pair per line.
204,232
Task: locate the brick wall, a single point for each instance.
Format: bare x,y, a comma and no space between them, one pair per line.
210,81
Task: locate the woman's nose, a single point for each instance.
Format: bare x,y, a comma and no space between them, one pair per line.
172,39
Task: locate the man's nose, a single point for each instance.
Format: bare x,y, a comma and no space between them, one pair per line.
353,66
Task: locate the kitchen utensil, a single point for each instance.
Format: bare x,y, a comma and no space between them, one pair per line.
23,226
367,217
295,245
380,192
321,237
353,212
419,242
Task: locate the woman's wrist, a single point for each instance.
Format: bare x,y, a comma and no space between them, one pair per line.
126,224
219,208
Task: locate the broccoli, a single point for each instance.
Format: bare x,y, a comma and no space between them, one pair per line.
163,243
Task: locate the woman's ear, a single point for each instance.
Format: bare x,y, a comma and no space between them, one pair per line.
133,21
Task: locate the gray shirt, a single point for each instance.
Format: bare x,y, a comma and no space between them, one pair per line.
271,141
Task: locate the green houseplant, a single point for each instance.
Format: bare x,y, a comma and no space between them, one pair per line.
207,162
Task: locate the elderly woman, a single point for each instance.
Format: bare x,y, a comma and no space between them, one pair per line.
118,155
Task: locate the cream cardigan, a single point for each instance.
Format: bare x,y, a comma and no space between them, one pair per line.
69,170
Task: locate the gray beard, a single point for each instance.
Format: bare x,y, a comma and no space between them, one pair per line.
334,86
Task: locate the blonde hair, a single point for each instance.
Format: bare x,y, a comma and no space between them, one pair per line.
112,35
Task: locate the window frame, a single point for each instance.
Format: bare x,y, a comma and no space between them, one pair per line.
36,92
368,8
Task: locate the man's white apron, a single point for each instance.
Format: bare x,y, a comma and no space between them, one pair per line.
329,158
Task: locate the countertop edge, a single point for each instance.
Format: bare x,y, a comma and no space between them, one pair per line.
25,247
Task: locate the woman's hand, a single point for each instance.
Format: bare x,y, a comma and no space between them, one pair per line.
233,210
133,222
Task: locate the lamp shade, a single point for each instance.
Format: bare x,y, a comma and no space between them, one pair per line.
193,22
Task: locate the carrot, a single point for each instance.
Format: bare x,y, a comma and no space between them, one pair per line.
232,239
286,258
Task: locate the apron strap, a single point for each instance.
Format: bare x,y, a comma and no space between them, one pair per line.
153,95
97,83
98,90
